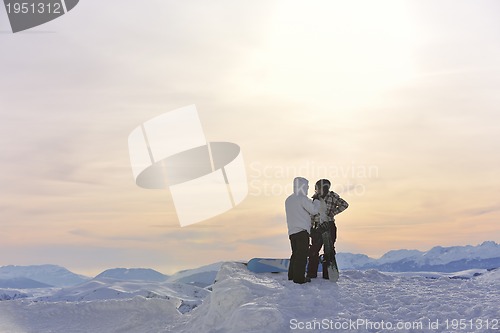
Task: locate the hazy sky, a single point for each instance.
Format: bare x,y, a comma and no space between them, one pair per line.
396,102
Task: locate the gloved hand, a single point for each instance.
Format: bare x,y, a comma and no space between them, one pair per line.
323,226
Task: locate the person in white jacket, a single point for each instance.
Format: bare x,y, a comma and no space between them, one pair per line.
299,209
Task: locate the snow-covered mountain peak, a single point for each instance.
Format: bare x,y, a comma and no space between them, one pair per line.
443,255
489,244
398,255
351,261
48,274
131,274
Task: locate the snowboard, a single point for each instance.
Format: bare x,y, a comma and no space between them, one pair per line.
328,259
272,265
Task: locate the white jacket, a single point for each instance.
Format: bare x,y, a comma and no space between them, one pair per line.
299,207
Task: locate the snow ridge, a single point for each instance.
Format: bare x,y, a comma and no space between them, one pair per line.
243,301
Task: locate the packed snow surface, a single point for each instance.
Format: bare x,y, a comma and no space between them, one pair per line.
362,301
242,301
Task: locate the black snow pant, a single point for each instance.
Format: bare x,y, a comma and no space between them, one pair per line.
298,260
317,243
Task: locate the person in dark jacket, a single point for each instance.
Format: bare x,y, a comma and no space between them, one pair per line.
334,205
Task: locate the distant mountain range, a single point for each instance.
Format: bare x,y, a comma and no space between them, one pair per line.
48,275
438,259
44,276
